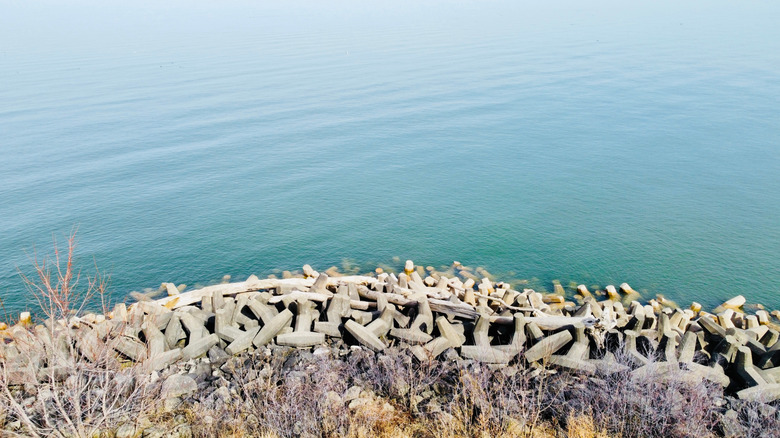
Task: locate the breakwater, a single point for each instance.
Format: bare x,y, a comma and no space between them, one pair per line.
428,314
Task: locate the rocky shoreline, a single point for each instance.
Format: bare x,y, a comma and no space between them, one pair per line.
186,344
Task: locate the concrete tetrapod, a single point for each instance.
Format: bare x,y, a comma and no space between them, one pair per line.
547,346
364,336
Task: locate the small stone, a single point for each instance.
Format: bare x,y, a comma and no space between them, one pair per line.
352,393
154,432
178,385
126,430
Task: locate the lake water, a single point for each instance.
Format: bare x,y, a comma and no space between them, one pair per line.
595,142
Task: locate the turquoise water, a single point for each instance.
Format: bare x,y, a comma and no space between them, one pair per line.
595,143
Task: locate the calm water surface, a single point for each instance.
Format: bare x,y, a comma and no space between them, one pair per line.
596,143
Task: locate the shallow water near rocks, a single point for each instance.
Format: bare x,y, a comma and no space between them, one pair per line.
595,143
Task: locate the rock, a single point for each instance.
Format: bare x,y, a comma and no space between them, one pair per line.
735,303
181,431
352,393
125,430
154,432
548,346
178,385
731,425
217,356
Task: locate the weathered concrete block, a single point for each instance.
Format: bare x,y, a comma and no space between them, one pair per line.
687,347
364,336
456,338
629,347
714,374
413,336
301,339
206,304
655,370
746,371
269,331
171,289
380,326
735,303
580,349
217,299
88,344
199,347
481,328
242,341
338,307
547,346
261,310
331,329
133,349
424,318
485,354
229,333
766,393
320,285
534,332
306,316
119,313
574,364
155,339
164,360
362,317
437,346
174,332
193,326
668,347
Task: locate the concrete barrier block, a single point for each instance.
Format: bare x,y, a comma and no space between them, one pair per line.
261,310
746,371
199,347
714,374
413,336
270,330
364,336
437,346
448,331
163,360
229,333
242,342
131,348
481,329
119,313
766,393
338,307
331,329
534,332
362,317
485,354
174,332
629,347
547,346
301,339
687,347
193,326
424,318
573,364
655,370
155,339
305,317
89,344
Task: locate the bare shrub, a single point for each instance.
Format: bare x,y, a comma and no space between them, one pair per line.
48,384
659,404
